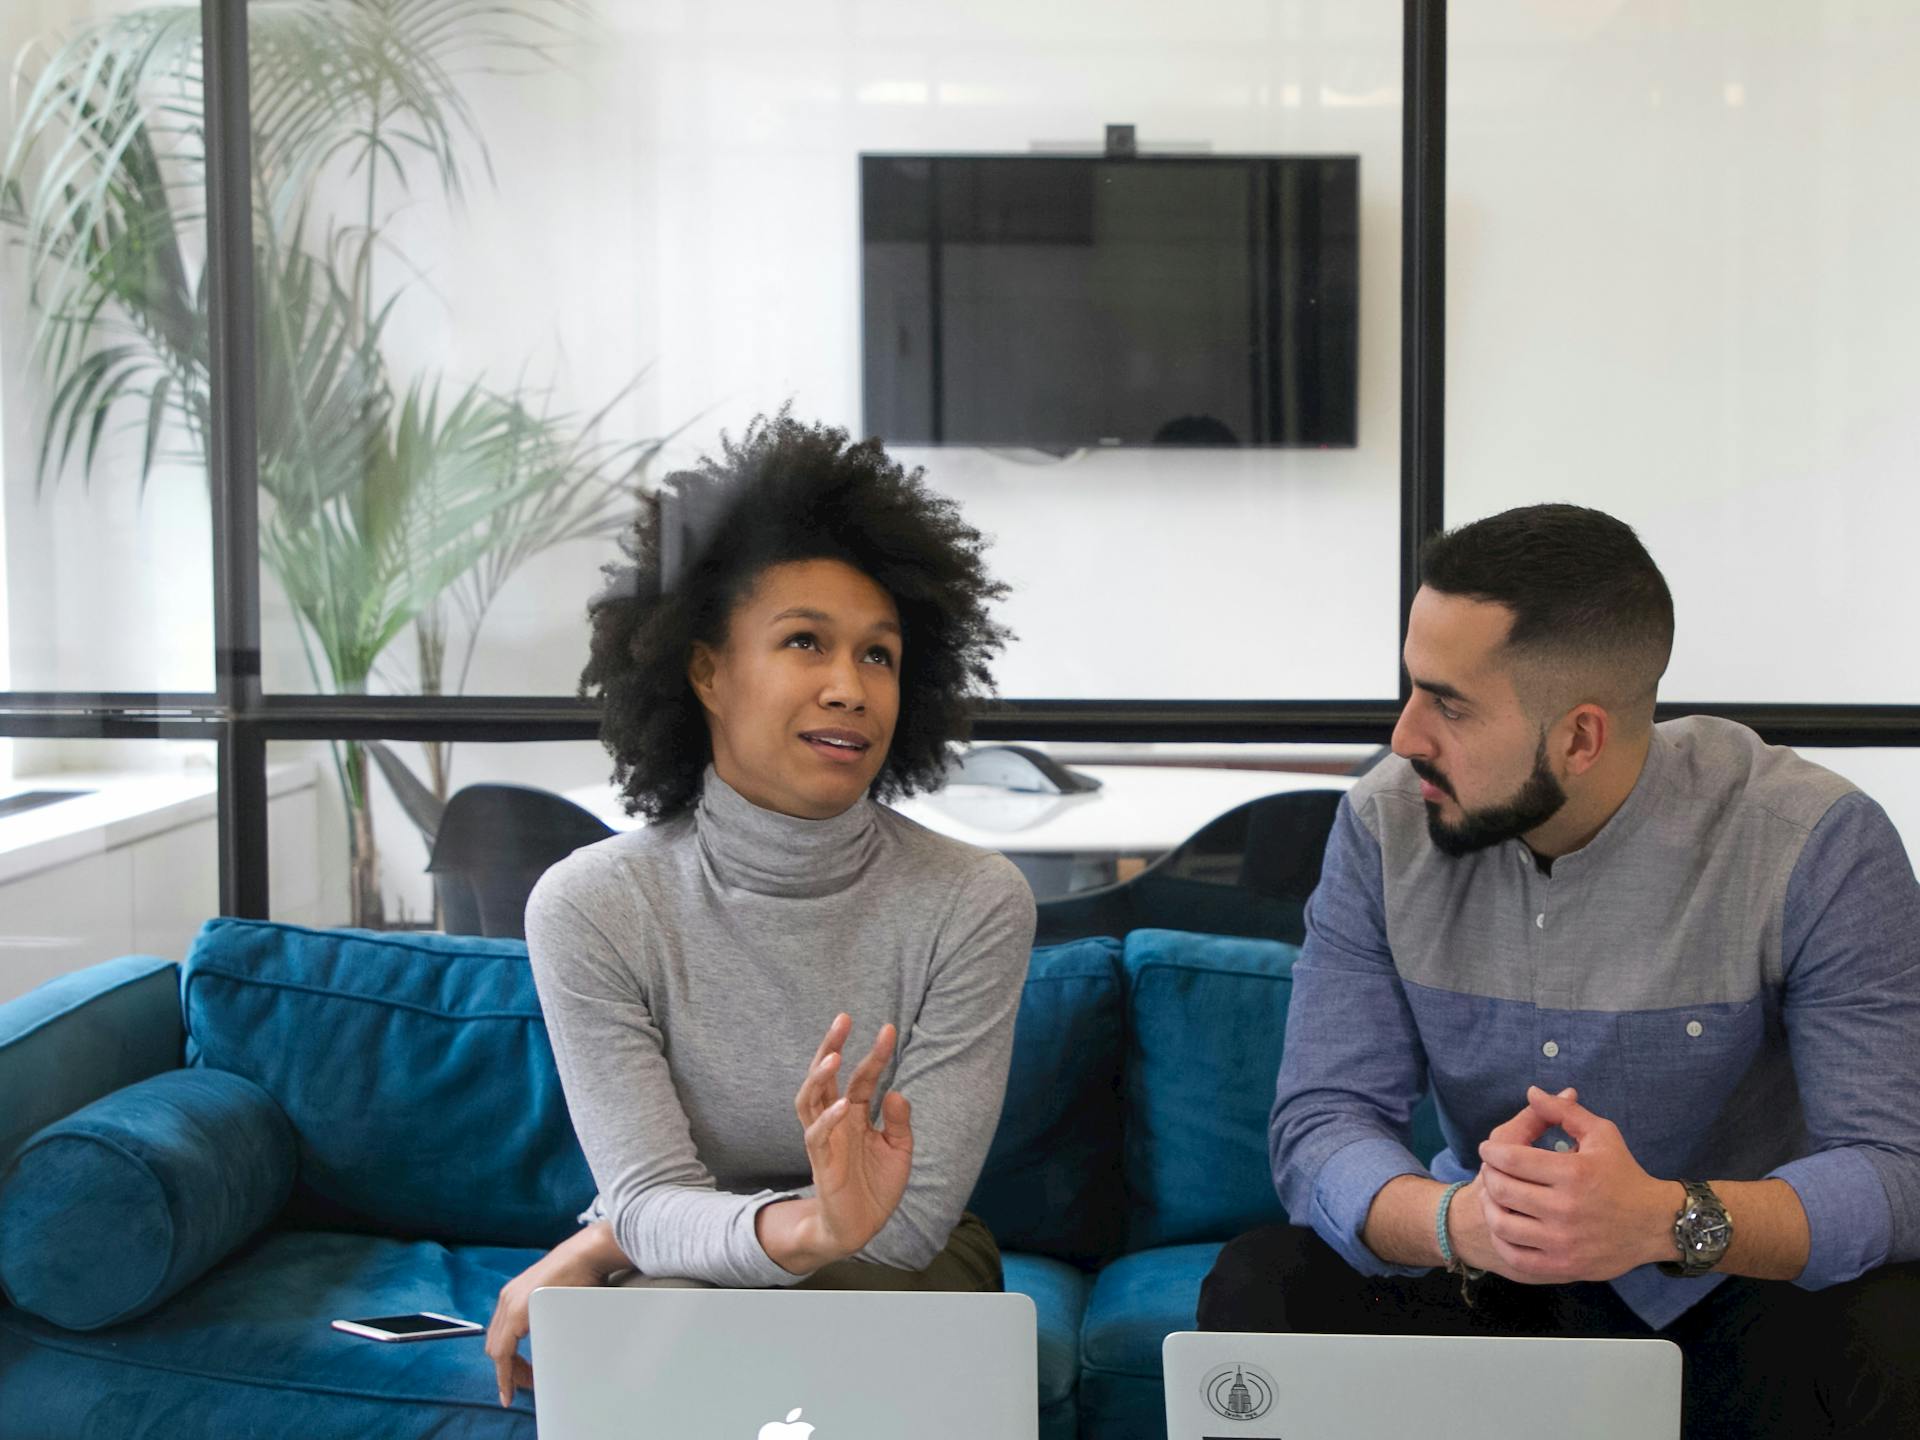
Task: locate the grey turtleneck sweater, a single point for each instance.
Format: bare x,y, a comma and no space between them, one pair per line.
688,971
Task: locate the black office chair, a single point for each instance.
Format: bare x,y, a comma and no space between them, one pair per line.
1247,872
491,846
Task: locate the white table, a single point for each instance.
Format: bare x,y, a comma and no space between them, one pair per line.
1139,810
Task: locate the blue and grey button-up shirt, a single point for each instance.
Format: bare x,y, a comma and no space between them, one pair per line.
1729,971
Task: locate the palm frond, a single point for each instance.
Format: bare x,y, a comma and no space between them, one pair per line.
371,559
322,396
581,487
378,509
91,197
361,86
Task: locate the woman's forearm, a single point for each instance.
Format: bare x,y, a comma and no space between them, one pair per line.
594,1244
789,1231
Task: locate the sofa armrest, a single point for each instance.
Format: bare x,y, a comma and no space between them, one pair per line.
82,1036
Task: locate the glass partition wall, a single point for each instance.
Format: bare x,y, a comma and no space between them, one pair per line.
105,387
325,397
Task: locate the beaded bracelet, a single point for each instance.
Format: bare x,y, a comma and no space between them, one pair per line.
1455,1265
1440,1221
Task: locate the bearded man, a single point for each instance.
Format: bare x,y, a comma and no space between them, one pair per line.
1664,981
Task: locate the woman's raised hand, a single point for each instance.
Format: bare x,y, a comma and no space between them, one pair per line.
859,1173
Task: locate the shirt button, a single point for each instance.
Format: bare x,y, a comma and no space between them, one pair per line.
1694,1027
1540,921
1563,1146
1550,1049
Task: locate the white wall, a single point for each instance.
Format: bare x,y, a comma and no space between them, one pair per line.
1681,286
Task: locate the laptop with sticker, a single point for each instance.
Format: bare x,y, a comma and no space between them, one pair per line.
1223,1386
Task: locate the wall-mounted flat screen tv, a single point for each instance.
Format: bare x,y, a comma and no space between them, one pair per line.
1061,302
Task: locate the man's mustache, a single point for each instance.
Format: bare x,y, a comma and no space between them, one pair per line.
1433,777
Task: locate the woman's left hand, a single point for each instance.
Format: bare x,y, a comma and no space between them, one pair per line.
859,1172
588,1257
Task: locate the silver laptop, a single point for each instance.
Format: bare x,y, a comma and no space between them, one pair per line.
1373,1387
619,1364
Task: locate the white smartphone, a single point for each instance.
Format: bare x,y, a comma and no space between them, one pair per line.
422,1326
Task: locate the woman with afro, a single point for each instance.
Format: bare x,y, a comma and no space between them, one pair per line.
799,637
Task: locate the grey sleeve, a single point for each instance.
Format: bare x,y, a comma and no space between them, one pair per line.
668,1215
953,1061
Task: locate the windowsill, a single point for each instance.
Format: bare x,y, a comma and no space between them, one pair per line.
124,808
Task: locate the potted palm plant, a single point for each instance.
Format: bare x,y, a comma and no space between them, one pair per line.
389,504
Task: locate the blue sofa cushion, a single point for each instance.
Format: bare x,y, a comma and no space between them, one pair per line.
1059,1294
109,1212
415,1068
1208,1015
248,1352
1137,1302
82,1036
1051,1183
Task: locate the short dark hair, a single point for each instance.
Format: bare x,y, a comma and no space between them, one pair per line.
1592,615
785,491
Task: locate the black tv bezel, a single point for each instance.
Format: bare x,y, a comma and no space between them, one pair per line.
1149,158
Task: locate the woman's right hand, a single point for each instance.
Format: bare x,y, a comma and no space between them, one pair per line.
859,1173
588,1258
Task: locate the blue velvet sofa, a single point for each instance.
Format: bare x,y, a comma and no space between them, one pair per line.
201,1164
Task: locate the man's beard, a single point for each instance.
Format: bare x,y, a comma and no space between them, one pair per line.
1539,799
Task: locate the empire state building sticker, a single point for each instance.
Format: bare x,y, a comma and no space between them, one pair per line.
1239,1391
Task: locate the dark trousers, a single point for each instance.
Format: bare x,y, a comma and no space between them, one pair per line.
1761,1358
971,1261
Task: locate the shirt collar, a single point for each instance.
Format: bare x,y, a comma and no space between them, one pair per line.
1628,819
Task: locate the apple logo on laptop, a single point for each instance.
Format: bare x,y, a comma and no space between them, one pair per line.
787,1429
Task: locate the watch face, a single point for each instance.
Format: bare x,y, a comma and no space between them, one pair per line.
1707,1231
1710,1233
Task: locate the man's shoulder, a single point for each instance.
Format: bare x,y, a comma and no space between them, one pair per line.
1395,851
1387,799
1729,772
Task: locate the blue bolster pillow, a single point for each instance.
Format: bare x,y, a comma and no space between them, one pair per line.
109,1212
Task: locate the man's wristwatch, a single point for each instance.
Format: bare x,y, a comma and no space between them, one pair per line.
1702,1231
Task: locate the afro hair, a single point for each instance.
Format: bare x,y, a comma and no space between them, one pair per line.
785,491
